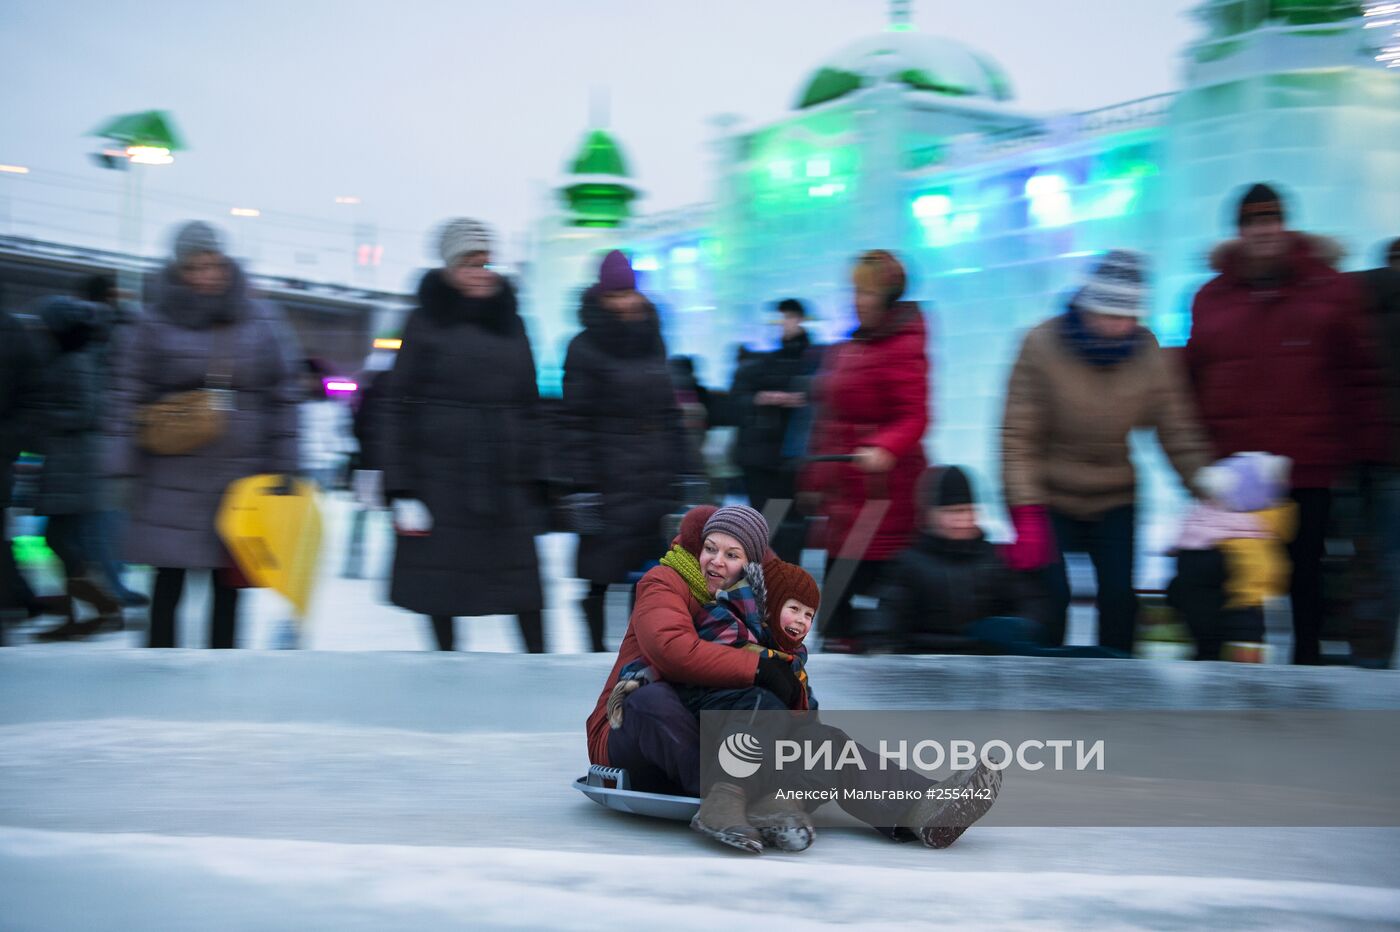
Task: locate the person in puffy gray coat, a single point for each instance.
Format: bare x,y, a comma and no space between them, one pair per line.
201,320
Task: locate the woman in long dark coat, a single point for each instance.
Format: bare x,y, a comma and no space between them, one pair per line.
204,327
624,440
459,446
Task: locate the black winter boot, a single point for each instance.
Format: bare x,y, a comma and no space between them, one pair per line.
940,818
109,607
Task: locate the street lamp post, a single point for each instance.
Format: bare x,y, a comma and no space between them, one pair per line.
5,218
136,140
249,237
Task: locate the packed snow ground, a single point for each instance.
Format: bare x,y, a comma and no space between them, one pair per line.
363,787
138,824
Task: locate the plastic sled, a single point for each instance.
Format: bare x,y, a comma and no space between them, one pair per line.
274,539
609,786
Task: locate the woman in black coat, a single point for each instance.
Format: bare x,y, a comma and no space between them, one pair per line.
624,440
458,443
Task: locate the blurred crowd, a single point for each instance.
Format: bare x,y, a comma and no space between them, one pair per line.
1280,416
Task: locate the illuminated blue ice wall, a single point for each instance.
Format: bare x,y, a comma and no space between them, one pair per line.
998,213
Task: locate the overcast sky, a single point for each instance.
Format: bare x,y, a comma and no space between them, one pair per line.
431,109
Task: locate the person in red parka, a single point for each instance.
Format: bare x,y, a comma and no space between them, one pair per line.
1280,361
872,401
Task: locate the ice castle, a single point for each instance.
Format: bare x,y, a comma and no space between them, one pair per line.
914,142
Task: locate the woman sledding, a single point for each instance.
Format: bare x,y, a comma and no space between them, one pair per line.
681,673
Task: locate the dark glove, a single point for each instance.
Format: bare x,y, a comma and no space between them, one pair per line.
775,675
583,512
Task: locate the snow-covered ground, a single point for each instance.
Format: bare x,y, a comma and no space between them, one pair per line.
371,784
139,824
144,881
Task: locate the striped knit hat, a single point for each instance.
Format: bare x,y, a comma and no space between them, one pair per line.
745,525
1116,286
749,528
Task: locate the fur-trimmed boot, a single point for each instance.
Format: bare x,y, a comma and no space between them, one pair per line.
940,818
783,823
722,817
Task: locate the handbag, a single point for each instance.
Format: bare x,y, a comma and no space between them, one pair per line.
182,422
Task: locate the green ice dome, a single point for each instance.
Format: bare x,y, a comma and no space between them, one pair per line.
599,155
1230,17
921,62
599,189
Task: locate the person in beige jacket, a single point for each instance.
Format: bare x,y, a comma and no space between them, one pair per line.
1083,382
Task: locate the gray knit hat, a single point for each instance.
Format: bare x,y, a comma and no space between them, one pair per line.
460,236
1116,286
745,525
196,238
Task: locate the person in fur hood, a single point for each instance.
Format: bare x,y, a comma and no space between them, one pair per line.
1280,359
204,327
622,444
459,437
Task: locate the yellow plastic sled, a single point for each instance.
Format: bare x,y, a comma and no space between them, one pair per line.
275,539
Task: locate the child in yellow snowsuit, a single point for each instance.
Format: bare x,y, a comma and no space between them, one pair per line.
1232,556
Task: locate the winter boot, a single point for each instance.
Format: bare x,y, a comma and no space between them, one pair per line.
71,630
109,607
59,605
782,823
940,818
722,817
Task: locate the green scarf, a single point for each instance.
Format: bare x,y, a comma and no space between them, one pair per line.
685,563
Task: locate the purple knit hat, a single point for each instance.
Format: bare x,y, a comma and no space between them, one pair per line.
749,528
616,273
745,525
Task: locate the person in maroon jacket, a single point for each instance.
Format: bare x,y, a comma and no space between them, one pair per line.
872,402
1280,361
